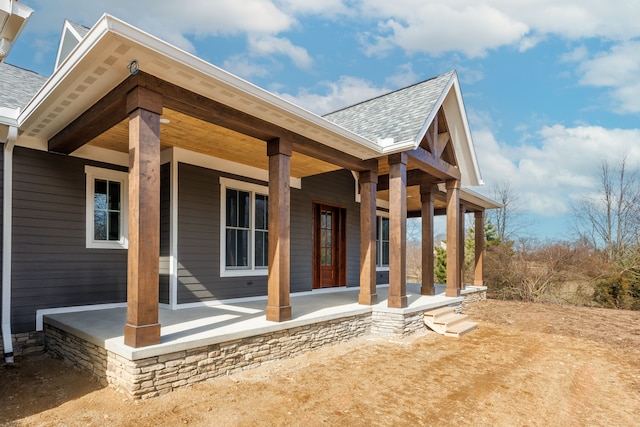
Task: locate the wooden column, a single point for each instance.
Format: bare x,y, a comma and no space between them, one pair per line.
479,250
453,238
142,327
368,183
461,246
278,307
398,230
426,195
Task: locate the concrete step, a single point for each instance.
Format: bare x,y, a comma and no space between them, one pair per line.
447,322
450,319
439,312
461,329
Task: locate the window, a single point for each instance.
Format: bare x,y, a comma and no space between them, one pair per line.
245,237
382,241
106,207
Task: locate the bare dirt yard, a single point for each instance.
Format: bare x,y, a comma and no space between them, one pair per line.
527,364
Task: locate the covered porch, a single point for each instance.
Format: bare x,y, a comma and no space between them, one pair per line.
201,343
148,104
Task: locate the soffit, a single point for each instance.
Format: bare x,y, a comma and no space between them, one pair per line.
202,137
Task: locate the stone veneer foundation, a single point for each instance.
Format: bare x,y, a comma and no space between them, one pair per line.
25,343
153,376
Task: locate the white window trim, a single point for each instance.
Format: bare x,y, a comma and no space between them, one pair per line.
384,215
94,173
233,184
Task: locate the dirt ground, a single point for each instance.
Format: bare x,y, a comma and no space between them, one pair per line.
527,364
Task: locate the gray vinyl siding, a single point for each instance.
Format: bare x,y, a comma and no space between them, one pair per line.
333,188
51,265
199,241
165,231
199,234
1,216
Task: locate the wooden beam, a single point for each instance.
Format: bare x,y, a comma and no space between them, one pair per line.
414,177
367,180
428,277
479,248
398,230
101,116
203,108
142,327
443,140
453,238
279,275
426,162
111,110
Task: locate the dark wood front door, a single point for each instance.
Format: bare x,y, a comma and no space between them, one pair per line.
329,246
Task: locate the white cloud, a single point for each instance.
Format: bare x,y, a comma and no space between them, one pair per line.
324,7
618,70
169,20
439,27
433,26
332,96
269,45
241,66
556,168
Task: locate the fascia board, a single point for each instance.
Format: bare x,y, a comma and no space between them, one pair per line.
479,199
475,178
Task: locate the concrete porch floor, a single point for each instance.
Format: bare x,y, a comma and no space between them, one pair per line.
188,328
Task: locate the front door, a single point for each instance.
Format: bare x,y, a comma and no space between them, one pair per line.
329,246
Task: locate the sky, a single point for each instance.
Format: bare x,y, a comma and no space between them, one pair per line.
551,88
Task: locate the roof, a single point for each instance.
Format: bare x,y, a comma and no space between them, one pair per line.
18,86
79,28
398,116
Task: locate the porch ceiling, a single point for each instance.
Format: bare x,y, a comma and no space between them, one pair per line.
193,134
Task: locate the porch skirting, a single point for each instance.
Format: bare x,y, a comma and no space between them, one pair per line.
161,374
145,377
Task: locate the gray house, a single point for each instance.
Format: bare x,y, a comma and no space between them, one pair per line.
140,176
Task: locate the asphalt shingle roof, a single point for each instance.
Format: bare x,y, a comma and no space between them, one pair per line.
399,115
18,86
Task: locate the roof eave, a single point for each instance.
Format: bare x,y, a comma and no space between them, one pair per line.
108,26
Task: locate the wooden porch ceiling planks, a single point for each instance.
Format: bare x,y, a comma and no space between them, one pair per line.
212,140
111,110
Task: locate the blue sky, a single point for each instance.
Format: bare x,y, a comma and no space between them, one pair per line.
551,88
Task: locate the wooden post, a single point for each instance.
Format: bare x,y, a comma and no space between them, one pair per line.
142,327
479,226
461,247
453,238
278,282
398,230
426,196
368,182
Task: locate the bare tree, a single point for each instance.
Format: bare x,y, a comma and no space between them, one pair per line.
610,219
507,220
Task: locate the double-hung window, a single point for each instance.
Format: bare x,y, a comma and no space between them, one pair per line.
244,244
106,208
382,242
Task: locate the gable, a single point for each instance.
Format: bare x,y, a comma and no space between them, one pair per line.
72,35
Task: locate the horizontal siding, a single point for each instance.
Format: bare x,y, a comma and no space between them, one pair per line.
334,188
1,210
165,231
199,234
51,265
199,241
